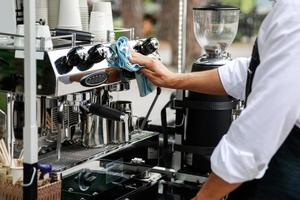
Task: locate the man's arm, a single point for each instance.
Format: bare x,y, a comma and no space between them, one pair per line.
205,82
215,188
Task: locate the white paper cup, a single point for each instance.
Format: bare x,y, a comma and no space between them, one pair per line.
97,22
17,173
69,14
53,12
102,6
41,3
84,14
105,7
42,13
42,10
98,26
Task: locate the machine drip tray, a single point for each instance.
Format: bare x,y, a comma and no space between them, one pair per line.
73,155
76,154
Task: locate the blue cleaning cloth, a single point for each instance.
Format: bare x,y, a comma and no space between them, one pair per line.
119,59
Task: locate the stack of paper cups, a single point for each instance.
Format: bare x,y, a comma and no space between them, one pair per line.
42,10
98,26
84,14
53,12
105,7
69,15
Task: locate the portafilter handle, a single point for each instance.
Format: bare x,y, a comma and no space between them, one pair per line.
76,56
149,46
105,112
97,54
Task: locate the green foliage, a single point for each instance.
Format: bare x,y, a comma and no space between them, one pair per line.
3,104
246,6
232,2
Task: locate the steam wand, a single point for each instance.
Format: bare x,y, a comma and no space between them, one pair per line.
158,92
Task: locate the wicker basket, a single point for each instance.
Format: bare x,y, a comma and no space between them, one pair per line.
15,192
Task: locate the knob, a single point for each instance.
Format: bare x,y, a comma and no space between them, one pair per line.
76,56
96,54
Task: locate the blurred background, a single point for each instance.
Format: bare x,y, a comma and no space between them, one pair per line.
159,18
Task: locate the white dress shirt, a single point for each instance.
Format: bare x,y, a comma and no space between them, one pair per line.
273,107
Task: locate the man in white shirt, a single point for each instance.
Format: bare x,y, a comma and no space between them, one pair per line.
261,150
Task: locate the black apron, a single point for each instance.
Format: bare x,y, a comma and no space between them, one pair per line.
282,179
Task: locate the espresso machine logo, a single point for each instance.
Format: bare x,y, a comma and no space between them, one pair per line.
94,79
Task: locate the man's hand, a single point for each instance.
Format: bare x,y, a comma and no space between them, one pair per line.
207,82
157,73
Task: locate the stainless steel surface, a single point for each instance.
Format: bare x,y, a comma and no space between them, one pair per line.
71,118
122,86
60,129
128,32
191,178
89,131
181,68
182,36
9,106
76,155
119,130
219,60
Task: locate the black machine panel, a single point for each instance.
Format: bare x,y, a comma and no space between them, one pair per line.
208,119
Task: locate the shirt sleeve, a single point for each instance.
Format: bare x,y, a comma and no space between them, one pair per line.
233,77
273,106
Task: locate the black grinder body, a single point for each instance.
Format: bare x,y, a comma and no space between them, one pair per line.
208,119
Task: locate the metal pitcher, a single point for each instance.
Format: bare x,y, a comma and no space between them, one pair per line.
119,130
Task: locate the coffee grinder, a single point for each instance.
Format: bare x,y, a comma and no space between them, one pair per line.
209,116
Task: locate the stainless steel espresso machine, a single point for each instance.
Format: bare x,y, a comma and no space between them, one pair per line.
75,117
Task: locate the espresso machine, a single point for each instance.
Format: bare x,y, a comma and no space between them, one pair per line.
74,109
207,117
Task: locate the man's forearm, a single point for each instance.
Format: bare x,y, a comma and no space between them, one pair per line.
215,188
207,82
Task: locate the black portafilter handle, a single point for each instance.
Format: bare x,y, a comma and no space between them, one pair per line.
96,54
149,46
106,112
76,56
